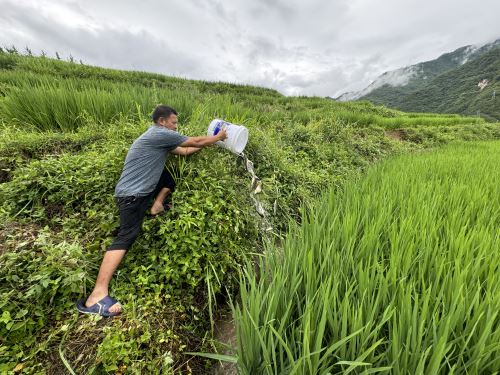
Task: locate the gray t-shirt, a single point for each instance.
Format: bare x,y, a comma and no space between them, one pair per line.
145,161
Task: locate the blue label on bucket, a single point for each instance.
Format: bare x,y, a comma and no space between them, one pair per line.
219,126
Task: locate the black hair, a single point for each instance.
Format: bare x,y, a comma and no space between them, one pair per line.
162,111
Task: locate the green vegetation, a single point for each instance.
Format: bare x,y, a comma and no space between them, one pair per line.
423,73
457,90
65,130
453,90
396,272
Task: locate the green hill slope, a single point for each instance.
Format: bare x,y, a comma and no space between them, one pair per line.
391,87
446,86
65,130
457,91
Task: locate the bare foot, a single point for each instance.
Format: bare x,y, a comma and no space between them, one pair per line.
92,300
157,208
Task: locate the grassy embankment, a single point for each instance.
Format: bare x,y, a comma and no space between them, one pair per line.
65,131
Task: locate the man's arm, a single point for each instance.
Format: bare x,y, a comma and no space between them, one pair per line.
185,150
204,141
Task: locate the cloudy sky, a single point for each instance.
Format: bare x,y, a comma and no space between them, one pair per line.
299,47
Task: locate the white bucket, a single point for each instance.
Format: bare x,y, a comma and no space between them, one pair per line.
237,135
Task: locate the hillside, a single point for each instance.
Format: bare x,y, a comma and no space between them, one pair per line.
65,131
391,87
457,91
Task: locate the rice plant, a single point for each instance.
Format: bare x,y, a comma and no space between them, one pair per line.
66,106
397,273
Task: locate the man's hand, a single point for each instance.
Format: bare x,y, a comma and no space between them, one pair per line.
222,134
204,140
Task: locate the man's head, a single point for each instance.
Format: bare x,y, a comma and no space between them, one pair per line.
165,116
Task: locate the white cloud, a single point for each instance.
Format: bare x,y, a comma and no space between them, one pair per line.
317,47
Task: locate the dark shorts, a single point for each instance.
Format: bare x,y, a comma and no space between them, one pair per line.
132,211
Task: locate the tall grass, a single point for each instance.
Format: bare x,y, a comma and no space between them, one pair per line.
66,106
47,104
398,273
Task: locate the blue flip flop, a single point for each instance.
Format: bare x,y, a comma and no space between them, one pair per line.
99,308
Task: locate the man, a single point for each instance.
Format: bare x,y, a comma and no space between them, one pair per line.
143,178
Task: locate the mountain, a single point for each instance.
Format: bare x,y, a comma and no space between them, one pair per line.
473,88
392,88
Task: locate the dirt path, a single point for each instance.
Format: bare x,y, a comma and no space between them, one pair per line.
225,333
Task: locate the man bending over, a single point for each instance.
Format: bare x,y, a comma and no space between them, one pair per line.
144,179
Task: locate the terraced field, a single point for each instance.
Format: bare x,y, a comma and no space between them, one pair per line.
65,129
